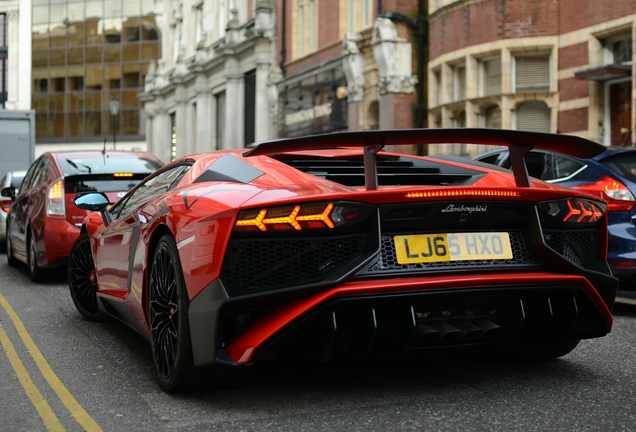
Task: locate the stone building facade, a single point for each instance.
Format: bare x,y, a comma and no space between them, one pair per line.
209,91
562,66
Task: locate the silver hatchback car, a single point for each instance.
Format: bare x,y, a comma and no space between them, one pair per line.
12,178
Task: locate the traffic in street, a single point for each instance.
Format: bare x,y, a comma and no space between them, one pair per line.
61,372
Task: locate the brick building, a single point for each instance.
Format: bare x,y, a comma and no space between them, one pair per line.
548,65
345,65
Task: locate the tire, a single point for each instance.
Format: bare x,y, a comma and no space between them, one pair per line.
82,280
170,330
11,260
35,272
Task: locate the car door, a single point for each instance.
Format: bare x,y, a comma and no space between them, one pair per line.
118,242
26,204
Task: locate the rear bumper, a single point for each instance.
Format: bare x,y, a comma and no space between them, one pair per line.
59,236
396,318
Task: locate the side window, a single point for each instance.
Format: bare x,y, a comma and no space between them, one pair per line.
150,188
565,167
40,173
536,164
28,179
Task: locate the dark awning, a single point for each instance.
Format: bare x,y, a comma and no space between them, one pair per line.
605,73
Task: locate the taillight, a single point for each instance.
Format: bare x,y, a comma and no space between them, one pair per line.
300,217
5,205
616,193
577,210
443,193
623,264
55,206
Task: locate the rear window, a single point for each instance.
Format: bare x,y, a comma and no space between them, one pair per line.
108,165
623,164
119,185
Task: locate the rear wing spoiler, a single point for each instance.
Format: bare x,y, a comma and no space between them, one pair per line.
518,143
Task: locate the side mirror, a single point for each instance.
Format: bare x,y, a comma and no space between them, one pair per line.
94,201
8,192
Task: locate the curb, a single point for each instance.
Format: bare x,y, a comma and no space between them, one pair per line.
626,305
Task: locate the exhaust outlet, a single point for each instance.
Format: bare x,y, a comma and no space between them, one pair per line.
447,331
490,329
470,330
425,333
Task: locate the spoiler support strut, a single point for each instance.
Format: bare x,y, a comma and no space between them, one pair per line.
371,166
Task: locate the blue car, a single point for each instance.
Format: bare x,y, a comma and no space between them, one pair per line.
610,175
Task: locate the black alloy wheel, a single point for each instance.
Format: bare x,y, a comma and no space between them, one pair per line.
82,280
170,329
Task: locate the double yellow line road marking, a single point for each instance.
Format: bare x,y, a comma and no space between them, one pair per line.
39,402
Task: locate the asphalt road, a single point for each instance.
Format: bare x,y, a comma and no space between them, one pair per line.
92,376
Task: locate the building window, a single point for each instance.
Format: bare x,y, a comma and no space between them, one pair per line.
220,120
305,27
367,11
222,17
173,136
301,28
490,76
351,15
619,49
459,82
198,11
250,107
4,54
194,134
437,76
532,73
533,116
313,19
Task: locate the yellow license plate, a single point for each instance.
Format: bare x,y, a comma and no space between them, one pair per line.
426,248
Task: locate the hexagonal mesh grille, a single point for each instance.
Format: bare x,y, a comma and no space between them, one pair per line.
387,260
580,247
262,265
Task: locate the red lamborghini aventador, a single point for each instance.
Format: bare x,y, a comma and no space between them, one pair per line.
327,247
